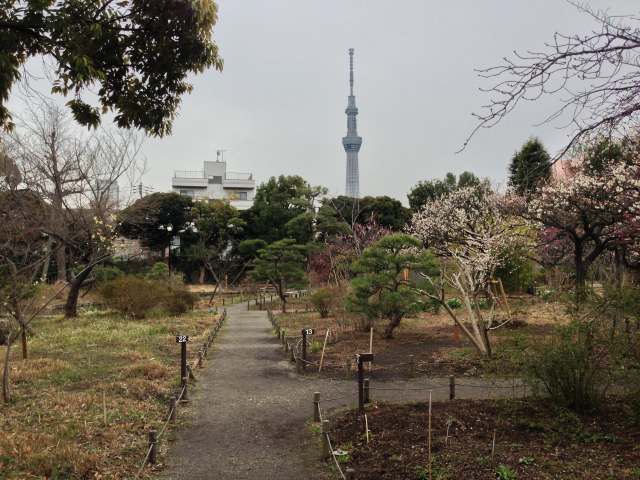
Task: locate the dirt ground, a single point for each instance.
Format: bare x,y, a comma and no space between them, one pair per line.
428,344
532,441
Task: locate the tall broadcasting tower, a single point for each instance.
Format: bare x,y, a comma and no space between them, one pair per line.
352,141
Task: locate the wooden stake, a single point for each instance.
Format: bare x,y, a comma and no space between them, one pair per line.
493,444
371,340
323,348
429,446
366,426
504,298
104,408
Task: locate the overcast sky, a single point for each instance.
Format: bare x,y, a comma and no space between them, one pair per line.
278,106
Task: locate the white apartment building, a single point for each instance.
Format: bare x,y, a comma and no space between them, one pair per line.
215,182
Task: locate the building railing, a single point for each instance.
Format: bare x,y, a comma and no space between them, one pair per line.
238,176
188,174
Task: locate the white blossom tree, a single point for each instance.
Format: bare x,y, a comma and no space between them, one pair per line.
469,231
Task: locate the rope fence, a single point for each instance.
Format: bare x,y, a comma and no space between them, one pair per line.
155,437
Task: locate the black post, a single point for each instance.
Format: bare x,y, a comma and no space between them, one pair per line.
452,387
360,384
183,359
367,398
304,347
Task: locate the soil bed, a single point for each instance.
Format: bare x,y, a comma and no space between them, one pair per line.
533,441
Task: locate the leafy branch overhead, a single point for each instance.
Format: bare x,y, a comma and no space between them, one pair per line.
137,53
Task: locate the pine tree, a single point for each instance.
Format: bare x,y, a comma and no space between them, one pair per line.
529,167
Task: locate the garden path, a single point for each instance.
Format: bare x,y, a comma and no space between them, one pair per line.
250,407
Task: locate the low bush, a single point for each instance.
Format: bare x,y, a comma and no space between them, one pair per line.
159,271
178,300
322,300
106,273
454,303
572,367
131,296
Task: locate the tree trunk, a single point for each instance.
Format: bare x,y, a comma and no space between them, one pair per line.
201,277
23,338
283,300
6,390
71,306
394,321
581,273
61,264
47,261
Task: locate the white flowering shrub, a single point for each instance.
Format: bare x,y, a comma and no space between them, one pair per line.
471,233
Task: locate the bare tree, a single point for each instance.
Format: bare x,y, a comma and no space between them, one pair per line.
76,175
596,76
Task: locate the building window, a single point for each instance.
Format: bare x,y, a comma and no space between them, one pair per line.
215,180
242,195
188,193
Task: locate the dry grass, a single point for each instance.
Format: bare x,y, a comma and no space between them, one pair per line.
78,369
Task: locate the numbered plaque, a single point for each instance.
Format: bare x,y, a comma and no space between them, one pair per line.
307,331
182,338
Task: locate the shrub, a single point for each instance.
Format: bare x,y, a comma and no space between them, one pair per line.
572,368
159,271
178,300
454,303
131,296
106,273
322,300
504,472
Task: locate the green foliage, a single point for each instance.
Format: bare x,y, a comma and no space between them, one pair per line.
131,296
137,55
429,190
322,300
529,166
281,263
454,303
159,271
516,271
379,290
155,219
571,367
337,215
276,204
504,472
106,273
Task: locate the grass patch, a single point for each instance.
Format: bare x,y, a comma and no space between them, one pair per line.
55,428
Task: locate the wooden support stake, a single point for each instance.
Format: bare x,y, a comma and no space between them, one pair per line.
153,444
325,452
371,340
366,427
316,406
104,408
200,358
324,346
493,444
429,437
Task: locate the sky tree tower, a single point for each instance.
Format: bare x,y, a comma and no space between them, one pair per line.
352,141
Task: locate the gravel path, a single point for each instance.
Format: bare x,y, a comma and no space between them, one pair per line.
250,407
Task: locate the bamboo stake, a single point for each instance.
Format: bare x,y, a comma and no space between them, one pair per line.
493,444
429,435
366,426
104,408
371,340
323,348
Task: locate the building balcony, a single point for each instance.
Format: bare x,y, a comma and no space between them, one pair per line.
197,182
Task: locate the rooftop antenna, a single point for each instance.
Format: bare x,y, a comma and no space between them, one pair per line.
351,69
220,155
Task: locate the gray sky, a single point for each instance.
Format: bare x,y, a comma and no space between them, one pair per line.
278,106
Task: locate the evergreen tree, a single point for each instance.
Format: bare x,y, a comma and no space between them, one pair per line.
529,167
